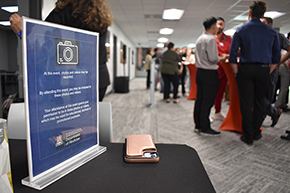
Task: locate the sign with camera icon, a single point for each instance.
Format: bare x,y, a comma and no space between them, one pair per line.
67,52
61,99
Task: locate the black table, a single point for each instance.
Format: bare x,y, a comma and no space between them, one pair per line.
179,170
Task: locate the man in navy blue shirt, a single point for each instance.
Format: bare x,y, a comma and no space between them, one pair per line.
259,48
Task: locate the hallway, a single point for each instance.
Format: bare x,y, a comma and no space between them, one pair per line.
231,165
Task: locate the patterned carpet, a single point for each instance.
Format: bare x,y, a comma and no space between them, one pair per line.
231,165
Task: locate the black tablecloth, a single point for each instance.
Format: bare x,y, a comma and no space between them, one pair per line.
179,170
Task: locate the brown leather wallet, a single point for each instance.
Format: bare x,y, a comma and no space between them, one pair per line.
140,149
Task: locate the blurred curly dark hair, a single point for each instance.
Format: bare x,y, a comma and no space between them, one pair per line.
96,14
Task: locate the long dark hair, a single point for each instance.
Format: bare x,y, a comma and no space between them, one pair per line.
148,51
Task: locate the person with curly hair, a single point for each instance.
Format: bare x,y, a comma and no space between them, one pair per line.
92,15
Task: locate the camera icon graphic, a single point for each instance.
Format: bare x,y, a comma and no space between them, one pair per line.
67,53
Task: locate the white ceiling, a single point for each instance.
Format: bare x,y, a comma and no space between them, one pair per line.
141,20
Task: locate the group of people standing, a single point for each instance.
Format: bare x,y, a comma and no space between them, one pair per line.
254,53
170,63
256,44
211,79
258,48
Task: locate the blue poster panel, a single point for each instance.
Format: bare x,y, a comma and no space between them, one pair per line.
61,80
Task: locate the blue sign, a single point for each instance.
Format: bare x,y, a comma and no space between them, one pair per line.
61,70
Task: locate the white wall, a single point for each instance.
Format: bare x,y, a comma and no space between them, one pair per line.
47,7
3,50
121,37
8,46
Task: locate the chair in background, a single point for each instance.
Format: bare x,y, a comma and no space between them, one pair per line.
105,123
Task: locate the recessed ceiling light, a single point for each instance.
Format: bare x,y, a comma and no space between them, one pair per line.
237,26
273,14
191,45
11,9
241,18
160,45
166,31
172,14
162,40
230,32
5,23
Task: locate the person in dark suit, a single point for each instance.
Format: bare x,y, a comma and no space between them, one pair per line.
282,70
287,135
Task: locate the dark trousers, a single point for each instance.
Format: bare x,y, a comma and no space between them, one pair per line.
182,79
168,78
253,82
270,94
148,79
102,92
222,88
207,87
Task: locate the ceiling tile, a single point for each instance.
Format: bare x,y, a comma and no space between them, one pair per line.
138,17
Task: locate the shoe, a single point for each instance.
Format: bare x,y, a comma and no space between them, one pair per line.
168,100
176,101
287,131
197,130
185,95
210,132
276,118
218,116
286,137
247,141
256,138
285,109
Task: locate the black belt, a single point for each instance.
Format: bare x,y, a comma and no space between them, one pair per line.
255,63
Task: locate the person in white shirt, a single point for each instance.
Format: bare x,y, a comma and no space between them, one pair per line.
207,80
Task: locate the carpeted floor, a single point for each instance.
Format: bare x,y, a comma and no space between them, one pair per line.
231,165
